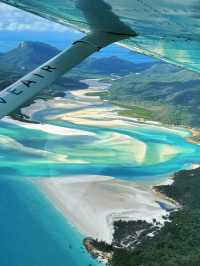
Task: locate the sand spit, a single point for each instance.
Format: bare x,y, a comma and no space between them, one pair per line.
93,203
51,129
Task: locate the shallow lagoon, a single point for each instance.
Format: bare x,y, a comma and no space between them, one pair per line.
88,139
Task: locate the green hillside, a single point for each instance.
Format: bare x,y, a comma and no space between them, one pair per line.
27,56
168,93
153,91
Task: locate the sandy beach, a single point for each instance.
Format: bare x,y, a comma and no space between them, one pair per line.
195,136
93,203
101,137
51,129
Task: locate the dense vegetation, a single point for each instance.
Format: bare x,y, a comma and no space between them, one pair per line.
102,246
29,55
129,234
178,242
158,92
26,57
167,93
153,91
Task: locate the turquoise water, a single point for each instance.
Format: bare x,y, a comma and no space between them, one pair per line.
32,231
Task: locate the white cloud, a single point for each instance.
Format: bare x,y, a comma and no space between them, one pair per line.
13,19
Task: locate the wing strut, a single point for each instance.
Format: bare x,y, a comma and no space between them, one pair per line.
27,87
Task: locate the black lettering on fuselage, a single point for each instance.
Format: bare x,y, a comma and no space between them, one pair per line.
15,91
2,100
28,83
48,68
38,75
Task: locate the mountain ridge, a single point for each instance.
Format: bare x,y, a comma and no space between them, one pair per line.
159,86
29,55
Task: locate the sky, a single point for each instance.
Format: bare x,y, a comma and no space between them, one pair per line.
17,25
13,19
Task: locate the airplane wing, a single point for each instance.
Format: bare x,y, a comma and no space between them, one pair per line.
166,29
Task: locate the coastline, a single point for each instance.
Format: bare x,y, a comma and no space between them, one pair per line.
195,138
93,203
176,237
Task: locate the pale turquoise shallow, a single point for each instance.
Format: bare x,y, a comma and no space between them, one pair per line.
32,231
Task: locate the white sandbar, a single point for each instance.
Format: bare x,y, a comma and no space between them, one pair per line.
93,203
